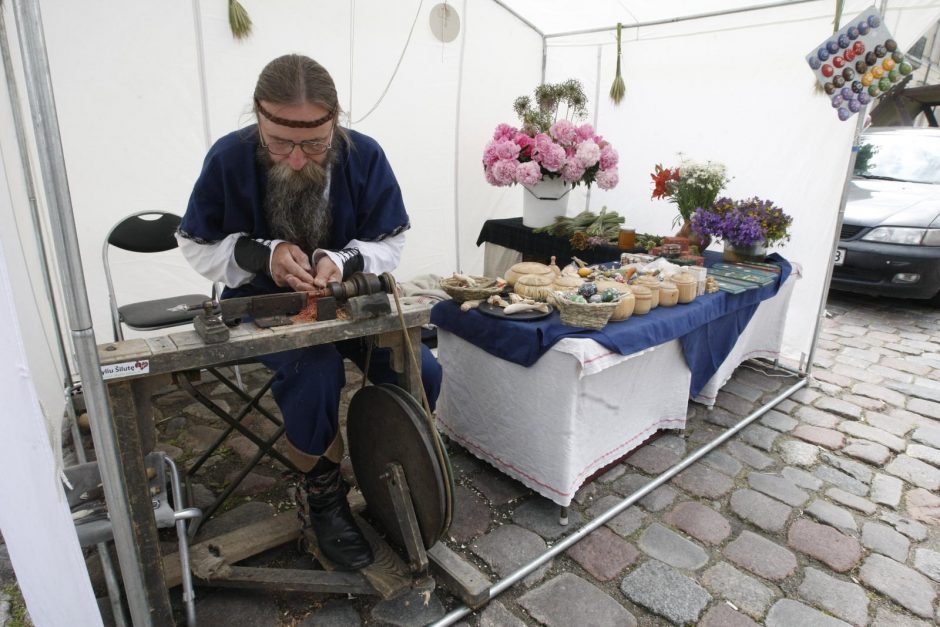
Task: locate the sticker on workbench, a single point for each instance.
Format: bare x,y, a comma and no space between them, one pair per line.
127,369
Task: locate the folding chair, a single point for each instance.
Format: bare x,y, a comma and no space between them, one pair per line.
152,232
135,233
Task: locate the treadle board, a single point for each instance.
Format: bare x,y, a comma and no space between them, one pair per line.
388,574
293,580
459,576
236,545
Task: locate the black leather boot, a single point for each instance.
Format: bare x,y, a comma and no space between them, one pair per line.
338,535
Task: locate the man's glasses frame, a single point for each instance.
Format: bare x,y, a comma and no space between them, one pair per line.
284,147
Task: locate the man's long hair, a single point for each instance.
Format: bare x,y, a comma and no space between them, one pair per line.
295,205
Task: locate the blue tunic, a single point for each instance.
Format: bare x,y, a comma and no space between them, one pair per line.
365,198
366,205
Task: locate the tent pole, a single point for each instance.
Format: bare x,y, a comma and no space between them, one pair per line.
859,126
684,18
55,182
463,48
519,17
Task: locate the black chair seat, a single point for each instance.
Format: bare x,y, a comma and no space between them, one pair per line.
165,312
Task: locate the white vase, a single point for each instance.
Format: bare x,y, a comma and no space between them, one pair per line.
543,201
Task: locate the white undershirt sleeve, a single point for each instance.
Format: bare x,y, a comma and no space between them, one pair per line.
216,261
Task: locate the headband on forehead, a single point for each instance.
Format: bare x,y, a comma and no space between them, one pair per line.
293,123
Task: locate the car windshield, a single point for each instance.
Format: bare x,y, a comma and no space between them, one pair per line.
899,157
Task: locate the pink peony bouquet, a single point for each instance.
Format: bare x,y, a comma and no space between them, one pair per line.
571,152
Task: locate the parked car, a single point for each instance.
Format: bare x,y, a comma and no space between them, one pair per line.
889,244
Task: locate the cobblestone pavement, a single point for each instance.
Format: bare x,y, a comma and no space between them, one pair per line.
823,512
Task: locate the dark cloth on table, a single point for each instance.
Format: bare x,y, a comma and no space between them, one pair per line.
708,328
511,233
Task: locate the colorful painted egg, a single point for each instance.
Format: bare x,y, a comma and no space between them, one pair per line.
884,84
877,71
848,73
588,289
867,79
857,87
893,76
905,68
854,106
844,114
871,58
849,55
822,54
596,298
880,51
839,62
873,90
891,45
888,64
861,67
863,28
815,63
837,101
852,33
863,97
846,93
838,81
874,21
858,47
827,70
843,41
832,47
829,88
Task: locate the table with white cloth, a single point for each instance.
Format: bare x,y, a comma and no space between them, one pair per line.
585,401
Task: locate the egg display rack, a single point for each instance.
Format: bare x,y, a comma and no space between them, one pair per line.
858,63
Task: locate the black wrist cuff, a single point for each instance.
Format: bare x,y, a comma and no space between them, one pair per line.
252,255
352,261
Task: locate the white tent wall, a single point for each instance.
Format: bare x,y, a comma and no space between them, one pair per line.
502,61
23,257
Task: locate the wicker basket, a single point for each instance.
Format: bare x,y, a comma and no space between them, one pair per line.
485,288
587,315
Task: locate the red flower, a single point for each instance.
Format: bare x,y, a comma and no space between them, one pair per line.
661,176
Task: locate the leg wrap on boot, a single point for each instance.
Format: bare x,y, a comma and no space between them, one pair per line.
331,520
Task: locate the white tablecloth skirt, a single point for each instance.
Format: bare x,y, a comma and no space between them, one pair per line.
580,407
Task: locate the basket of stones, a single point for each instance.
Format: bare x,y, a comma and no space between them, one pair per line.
587,307
463,287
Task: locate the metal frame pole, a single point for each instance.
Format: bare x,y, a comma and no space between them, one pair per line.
500,586
56,187
859,126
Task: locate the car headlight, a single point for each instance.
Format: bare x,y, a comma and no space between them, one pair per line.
904,235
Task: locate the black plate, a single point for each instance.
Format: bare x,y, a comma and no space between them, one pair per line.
497,312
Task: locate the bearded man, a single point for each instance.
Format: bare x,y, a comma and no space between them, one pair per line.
292,203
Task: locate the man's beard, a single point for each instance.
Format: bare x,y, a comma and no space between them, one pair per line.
295,205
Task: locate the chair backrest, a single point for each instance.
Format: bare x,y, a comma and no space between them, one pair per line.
136,233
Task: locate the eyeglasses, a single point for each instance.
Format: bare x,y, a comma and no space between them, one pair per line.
310,147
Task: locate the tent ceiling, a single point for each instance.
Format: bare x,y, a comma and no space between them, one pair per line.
553,17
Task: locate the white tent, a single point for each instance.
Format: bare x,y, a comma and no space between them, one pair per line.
142,89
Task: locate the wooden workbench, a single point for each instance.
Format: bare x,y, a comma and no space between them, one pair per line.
134,368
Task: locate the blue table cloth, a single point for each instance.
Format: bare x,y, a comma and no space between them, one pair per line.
708,328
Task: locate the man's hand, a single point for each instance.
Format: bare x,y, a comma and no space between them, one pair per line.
290,267
327,272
